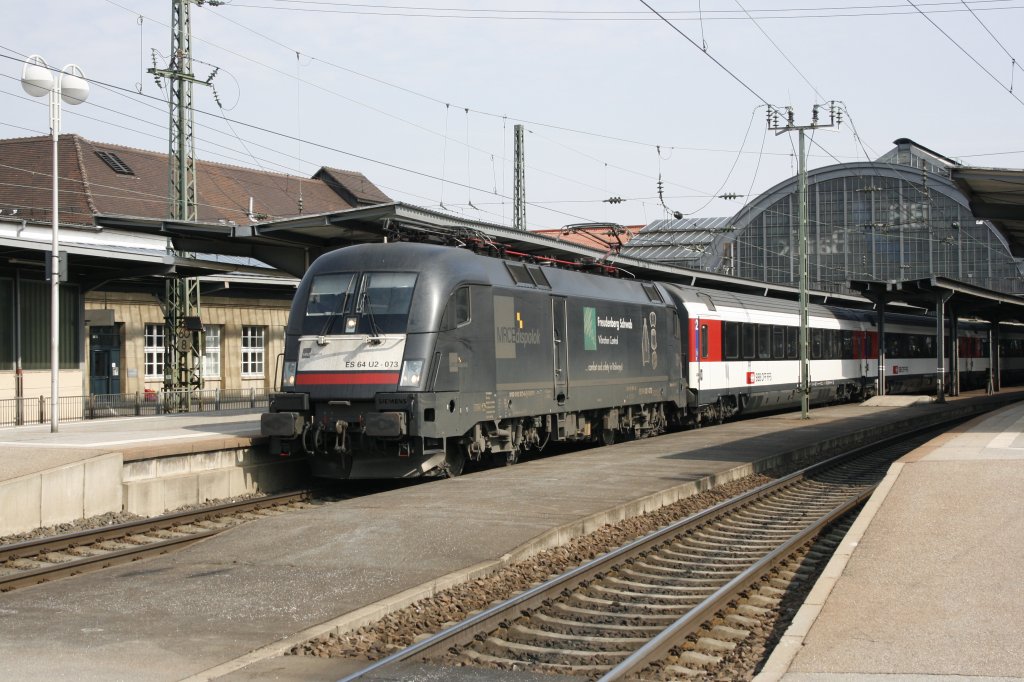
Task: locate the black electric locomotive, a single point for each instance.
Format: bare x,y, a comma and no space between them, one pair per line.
409,359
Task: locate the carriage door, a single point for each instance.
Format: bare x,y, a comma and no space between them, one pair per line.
700,337
560,350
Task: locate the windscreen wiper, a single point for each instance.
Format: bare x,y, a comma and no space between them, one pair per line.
329,323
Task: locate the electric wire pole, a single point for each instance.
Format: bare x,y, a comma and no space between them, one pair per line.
519,185
182,323
835,118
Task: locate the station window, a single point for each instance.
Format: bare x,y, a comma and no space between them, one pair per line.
253,343
154,351
211,352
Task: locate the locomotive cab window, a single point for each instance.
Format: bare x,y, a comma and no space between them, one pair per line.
371,303
457,312
329,294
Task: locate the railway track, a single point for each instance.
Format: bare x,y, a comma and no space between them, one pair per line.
646,609
41,560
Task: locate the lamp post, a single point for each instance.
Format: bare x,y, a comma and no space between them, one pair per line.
71,87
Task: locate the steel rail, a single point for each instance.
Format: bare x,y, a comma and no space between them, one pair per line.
167,522
466,631
672,636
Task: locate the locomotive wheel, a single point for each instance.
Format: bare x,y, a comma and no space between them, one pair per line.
454,459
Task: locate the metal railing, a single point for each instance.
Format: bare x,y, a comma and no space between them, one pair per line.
24,411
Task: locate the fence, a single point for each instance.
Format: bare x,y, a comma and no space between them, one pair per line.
19,411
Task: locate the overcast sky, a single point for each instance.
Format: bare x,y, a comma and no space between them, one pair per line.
610,94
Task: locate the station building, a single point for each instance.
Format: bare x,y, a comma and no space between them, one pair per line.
111,306
902,217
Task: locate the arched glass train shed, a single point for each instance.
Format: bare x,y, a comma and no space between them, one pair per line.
898,218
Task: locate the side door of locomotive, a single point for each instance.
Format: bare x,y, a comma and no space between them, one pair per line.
560,349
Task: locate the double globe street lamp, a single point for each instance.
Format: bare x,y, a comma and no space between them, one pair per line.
71,87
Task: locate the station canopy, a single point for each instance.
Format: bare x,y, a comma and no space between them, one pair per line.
996,195
964,299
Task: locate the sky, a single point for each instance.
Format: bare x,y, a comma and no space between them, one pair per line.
422,96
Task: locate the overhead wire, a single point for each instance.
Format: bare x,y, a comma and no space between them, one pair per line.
966,52
467,13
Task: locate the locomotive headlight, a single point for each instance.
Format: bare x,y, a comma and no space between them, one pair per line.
288,377
412,372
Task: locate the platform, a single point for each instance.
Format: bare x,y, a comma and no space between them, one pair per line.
144,465
249,594
929,582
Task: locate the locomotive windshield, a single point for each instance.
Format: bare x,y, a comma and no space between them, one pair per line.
359,303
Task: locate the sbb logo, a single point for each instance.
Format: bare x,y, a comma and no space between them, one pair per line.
750,378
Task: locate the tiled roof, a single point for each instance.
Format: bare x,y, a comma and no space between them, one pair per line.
600,236
89,185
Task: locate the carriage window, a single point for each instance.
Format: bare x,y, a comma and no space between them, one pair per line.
731,340
778,342
764,342
749,338
929,347
792,343
703,340
816,344
846,343
894,346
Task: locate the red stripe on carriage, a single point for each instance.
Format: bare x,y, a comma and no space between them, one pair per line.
346,378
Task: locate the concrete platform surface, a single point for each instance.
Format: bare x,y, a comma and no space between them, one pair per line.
31,449
928,583
246,594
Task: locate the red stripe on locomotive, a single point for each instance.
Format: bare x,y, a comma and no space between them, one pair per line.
346,378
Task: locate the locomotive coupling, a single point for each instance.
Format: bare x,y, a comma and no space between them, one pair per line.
284,424
385,424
